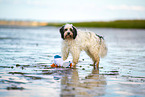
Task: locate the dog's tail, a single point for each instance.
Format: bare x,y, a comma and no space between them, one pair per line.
102,48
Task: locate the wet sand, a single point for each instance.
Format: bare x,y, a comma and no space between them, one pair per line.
27,53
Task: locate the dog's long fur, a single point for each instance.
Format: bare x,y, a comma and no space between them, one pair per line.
74,41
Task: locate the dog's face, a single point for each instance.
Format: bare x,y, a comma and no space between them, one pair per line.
68,31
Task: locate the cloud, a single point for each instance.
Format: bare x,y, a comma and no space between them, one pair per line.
126,7
38,2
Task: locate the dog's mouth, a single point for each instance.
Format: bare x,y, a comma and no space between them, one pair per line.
68,36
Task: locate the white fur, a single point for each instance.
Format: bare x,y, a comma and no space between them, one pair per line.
88,41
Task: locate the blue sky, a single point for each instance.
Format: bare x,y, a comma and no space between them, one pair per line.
72,10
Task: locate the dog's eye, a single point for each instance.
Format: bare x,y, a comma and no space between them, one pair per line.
70,29
65,29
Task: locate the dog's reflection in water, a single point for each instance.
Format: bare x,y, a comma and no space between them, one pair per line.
92,85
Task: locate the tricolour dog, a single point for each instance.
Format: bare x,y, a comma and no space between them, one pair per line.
74,41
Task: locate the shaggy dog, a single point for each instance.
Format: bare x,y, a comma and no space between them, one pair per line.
74,41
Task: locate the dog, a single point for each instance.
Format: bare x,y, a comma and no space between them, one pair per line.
74,41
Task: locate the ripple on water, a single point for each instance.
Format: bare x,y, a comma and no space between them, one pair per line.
27,53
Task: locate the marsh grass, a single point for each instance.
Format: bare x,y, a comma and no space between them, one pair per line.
136,24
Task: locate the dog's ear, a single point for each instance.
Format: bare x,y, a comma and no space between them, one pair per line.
62,32
74,32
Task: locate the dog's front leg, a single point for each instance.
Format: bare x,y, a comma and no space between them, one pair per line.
65,53
75,54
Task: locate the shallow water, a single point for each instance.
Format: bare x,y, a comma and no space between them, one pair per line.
26,54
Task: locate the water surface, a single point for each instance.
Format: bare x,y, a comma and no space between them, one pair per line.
26,54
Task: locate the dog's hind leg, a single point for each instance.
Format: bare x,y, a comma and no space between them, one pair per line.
96,62
94,56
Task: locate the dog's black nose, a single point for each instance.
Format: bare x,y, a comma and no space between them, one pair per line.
68,33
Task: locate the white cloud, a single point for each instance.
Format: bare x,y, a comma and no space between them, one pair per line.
126,7
37,2
74,10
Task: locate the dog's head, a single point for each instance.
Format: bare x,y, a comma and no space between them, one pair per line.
68,31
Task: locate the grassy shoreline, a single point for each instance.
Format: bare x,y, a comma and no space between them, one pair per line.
135,24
